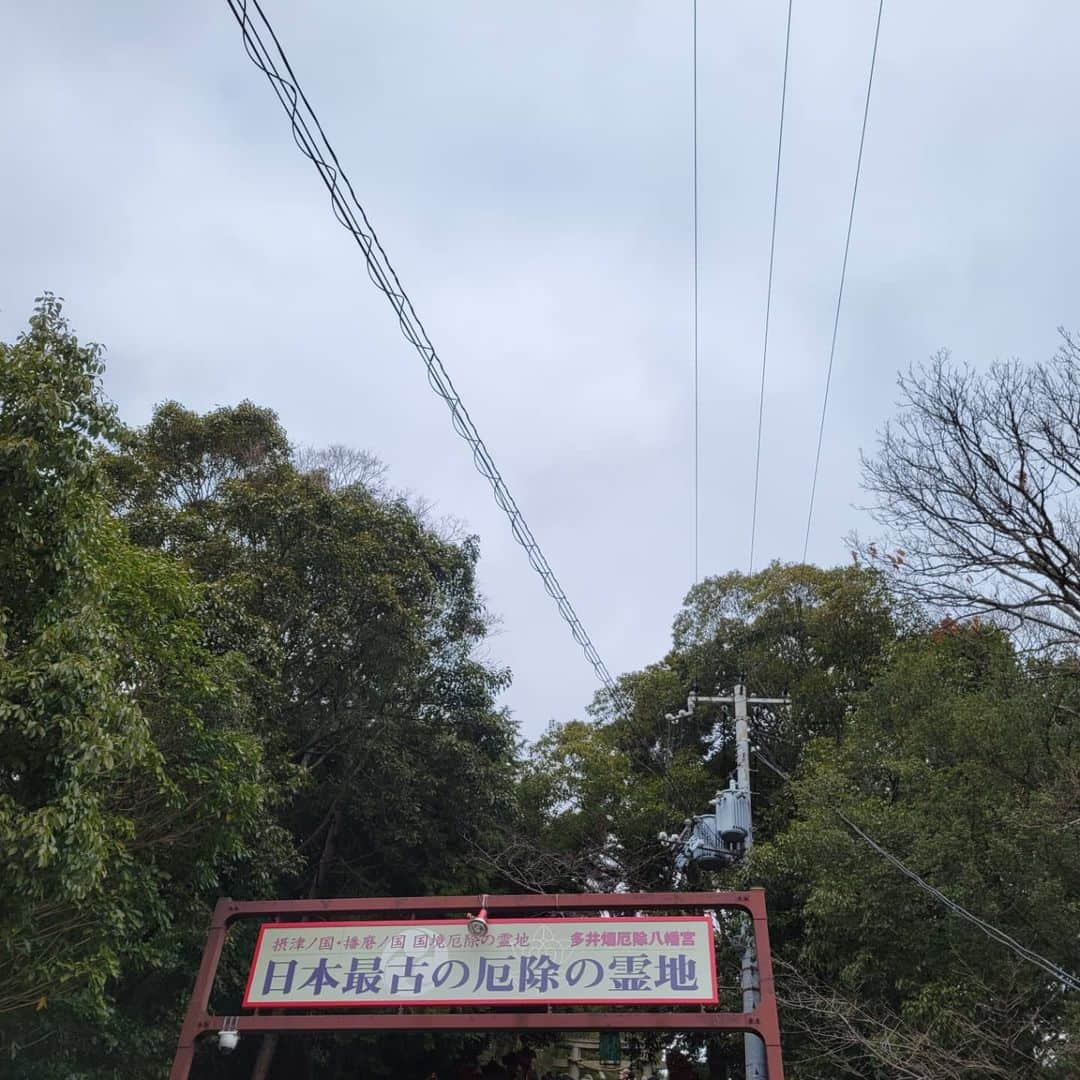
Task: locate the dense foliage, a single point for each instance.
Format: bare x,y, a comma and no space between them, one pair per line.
951,751
220,676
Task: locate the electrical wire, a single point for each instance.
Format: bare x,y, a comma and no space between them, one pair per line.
1064,977
843,277
312,142
694,298
768,291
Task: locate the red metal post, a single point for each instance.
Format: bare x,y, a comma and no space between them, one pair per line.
195,1021
767,1014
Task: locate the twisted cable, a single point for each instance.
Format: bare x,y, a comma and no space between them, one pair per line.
312,142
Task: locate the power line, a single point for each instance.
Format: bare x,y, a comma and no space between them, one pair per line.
768,291
843,277
1066,978
694,299
312,142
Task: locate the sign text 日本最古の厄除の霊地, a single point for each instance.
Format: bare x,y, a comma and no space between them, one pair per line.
644,960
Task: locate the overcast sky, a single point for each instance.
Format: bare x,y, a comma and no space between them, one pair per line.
527,167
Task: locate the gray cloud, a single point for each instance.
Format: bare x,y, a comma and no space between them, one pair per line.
527,168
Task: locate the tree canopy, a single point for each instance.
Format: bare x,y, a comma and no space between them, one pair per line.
222,674
229,666
133,783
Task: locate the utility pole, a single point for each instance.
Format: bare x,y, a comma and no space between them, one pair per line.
753,1047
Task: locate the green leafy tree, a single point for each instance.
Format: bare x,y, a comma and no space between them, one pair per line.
221,674
132,785
365,626
958,756
603,790
946,762
67,728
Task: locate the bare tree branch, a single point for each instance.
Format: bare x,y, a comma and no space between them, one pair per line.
341,466
977,487
853,1039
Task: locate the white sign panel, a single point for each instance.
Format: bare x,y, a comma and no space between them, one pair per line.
642,961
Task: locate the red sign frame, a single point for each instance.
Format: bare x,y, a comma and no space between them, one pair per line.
763,1021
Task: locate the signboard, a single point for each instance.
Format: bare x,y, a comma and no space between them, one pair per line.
641,960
